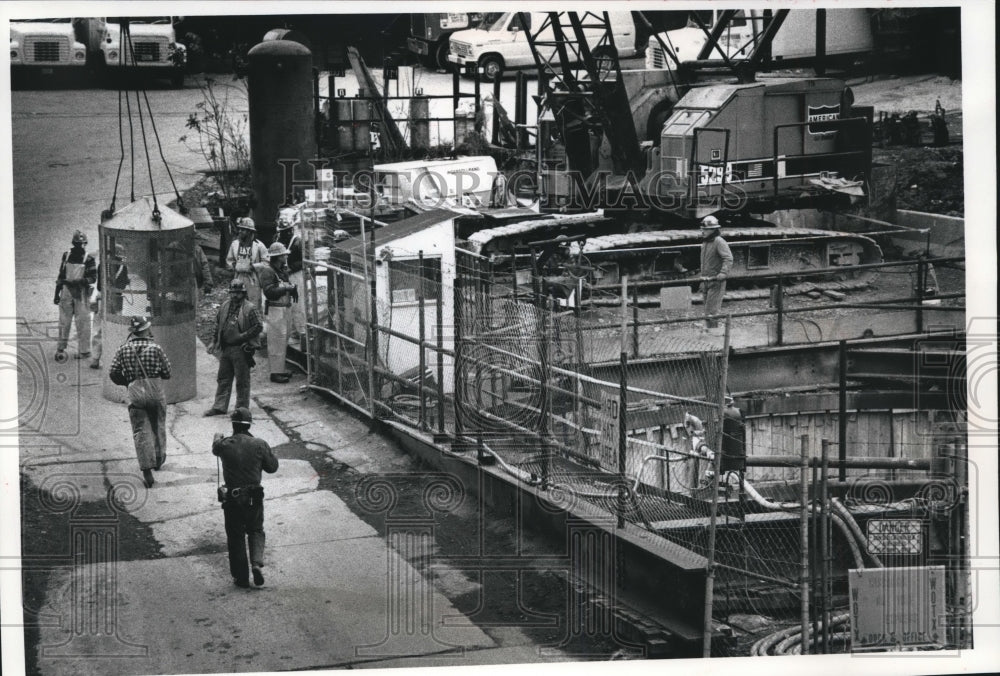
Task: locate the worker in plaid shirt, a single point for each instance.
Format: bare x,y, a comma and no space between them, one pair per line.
141,364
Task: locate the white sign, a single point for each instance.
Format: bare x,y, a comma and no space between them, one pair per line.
895,536
895,608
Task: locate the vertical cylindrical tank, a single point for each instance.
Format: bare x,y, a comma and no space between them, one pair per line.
361,113
147,269
345,125
282,128
420,127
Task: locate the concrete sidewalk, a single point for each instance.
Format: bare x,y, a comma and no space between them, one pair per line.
337,594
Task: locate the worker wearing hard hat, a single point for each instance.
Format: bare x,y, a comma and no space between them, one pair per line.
716,260
293,242
243,458
234,341
74,284
108,300
279,295
140,364
244,253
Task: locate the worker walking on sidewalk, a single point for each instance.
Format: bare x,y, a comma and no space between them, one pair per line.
245,252
236,338
279,296
243,458
76,279
141,364
716,260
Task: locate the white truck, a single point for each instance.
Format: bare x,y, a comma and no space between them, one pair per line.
154,50
503,45
848,37
44,48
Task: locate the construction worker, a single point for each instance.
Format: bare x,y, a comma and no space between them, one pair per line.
293,242
279,295
716,260
202,271
734,451
111,299
236,338
76,279
243,458
140,364
246,251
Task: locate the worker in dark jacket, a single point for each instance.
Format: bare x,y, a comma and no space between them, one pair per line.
236,338
716,260
734,448
74,283
293,242
243,458
279,295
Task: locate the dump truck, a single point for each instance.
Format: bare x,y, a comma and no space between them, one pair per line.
430,33
153,51
45,48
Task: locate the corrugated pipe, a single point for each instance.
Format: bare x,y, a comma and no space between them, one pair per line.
845,514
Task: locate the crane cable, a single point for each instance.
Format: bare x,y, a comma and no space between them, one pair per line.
125,43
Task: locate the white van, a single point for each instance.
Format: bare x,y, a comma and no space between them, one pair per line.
45,48
503,45
848,36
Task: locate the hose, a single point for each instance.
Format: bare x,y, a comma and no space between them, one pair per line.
845,514
790,640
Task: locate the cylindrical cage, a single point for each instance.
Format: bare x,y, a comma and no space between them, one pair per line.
147,268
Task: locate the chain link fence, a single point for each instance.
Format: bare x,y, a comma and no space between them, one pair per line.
600,405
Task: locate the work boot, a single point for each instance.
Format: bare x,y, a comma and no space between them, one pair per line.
258,576
245,584
147,476
96,364
280,377
159,464
214,411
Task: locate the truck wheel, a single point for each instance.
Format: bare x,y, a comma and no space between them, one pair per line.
492,65
657,117
441,54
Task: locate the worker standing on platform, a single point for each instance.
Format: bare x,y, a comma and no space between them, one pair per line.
236,338
243,458
110,298
293,242
734,450
140,364
716,260
279,296
244,253
74,283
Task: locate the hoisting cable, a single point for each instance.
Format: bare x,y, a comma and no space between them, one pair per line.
126,48
142,128
159,147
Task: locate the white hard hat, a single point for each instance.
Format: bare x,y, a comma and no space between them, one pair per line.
710,222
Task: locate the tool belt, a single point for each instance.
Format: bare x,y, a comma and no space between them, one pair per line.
241,495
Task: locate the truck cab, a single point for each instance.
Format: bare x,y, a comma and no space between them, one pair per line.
429,33
503,45
154,50
848,37
45,48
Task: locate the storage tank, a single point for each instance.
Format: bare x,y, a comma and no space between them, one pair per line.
282,126
157,282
